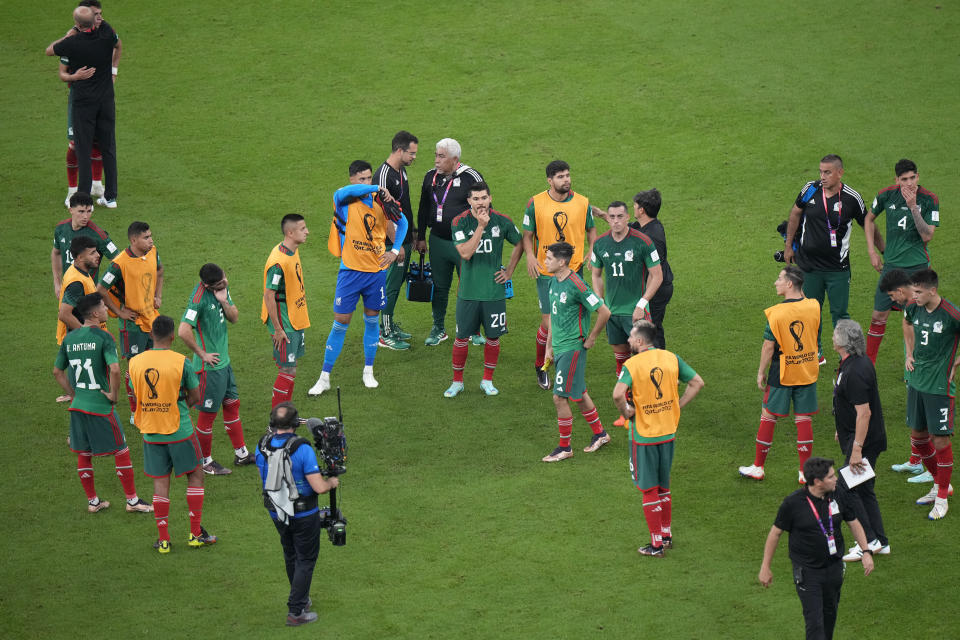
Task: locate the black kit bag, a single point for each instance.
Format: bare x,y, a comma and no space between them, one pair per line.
420,282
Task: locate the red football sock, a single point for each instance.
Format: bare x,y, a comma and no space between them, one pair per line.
927,455
566,428
72,169
282,388
804,438
874,338
914,452
666,511
161,512
121,460
764,440
541,346
205,432
491,354
130,397
593,420
96,163
85,471
460,351
195,505
620,358
944,470
231,422
652,513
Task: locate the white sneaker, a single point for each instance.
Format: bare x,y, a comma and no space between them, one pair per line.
939,509
921,478
855,554
368,380
753,472
323,384
70,192
931,495
109,204
96,189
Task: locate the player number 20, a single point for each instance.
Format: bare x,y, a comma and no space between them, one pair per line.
79,366
498,320
485,246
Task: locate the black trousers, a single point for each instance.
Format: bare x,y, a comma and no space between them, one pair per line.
96,122
863,500
658,309
819,591
300,539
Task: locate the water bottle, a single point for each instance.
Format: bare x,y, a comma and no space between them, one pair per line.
507,287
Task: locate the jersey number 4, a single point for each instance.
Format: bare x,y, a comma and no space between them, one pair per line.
79,367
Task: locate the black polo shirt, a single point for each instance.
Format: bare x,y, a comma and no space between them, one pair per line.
90,49
399,187
856,383
452,191
815,252
808,545
654,230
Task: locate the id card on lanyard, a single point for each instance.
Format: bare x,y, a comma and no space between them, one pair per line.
839,209
446,192
831,509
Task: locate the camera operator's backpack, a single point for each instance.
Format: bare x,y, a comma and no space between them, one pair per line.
280,488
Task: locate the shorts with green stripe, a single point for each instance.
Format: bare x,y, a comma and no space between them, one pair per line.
569,374
180,457
777,400
99,435
930,412
216,385
650,464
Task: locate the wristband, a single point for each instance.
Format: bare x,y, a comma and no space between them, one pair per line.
395,251
642,304
113,70
858,444
870,551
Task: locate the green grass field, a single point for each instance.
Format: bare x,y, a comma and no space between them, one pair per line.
231,115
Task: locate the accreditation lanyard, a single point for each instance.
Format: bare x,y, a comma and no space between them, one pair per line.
433,192
831,541
826,209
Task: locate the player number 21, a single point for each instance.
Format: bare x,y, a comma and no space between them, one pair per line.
79,366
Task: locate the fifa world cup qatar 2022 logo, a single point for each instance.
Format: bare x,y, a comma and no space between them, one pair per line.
369,224
796,331
152,377
560,222
656,377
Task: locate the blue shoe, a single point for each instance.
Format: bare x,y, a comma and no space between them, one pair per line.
437,335
926,476
906,467
454,390
488,388
478,340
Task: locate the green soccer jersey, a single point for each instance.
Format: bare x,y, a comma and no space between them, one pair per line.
63,235
905,247
86,355
571,302
205,315
277,284
477,273
936,335
625,266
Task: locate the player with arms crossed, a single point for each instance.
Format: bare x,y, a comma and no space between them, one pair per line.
630,264
164,387
913,214
285,304
555,215
652,377
932,360
570,303
478,235
92,383
203,328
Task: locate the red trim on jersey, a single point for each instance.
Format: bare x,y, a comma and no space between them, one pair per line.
927,192
456,219
893,187
641,235
577,281
100,232
571,371
198,293
90,413
64,222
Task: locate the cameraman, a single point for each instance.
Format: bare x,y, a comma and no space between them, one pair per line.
300,534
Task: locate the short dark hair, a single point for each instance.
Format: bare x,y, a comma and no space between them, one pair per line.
81,199
556,167
211,273
290,218
479,186
833,158
893,280
162,327
137,228
617,203
646,330
403,140
926,278
561,250
904,166
359,165
90,3
85,305
794,274
284,416
816,468
79,244
649,201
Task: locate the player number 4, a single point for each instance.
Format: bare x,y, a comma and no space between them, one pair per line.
79,366
902,223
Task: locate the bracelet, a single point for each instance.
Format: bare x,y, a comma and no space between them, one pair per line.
870,551
858,444
113,70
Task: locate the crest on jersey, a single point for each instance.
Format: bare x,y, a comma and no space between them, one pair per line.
495,232
628,255
563,298
938,327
